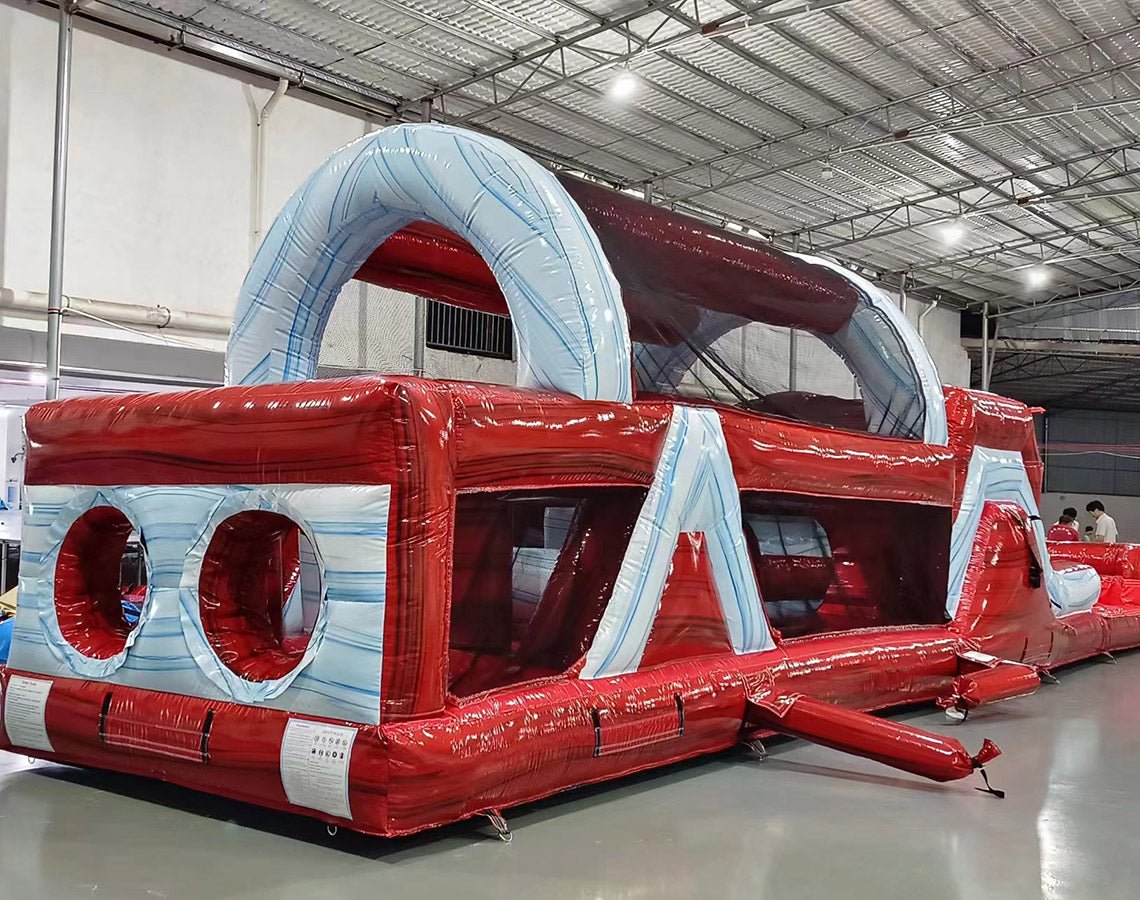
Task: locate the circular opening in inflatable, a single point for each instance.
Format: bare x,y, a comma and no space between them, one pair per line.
259,594
100,583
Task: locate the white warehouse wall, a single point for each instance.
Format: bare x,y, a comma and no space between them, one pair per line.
159,203
160,165
941,331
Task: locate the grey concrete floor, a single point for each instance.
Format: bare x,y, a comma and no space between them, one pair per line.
808,822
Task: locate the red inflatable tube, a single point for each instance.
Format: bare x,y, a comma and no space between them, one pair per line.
1002,682
669,266
891,743
1110,560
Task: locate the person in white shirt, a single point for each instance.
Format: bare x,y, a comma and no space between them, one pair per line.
1105,530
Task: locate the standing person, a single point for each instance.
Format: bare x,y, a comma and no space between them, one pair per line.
1063,529
1088,535
1104,531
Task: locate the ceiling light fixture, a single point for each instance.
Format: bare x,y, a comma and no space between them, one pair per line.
624,85
1037,277
953,233
828,170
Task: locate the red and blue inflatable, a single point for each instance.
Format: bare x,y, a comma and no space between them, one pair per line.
390,602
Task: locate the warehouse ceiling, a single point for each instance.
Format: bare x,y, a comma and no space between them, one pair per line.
1067,376
985,150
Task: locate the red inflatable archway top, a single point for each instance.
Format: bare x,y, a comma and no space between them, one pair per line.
670,266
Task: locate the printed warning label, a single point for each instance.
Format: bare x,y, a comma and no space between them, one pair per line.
314,765
24,704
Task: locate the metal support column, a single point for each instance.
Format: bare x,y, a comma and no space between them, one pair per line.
986,346
792,333
58,196
993,353
419,334
902,293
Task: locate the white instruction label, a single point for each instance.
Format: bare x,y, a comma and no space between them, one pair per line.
24,705
978,657
314,765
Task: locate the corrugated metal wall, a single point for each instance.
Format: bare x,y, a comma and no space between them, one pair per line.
1116,319
1093,452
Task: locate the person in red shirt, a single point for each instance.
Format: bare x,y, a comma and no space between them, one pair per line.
1063,529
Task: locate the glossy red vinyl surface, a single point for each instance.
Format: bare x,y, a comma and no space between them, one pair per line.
986,420
443,754
1077,636
574,732
248,573
894,744
499,749
88,595
867,669
511,438
505,748
223,748
1122,623
506,437
414,675
777,455
1062,533
481,703
575,597
690,621
1108,559
349,429
1001,682
367,429
999,607
431,261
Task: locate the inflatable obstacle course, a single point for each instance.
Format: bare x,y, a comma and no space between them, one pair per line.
391,602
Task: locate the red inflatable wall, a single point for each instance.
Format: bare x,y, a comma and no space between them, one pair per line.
482,708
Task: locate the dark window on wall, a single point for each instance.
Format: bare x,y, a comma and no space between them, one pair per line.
461,330
532,574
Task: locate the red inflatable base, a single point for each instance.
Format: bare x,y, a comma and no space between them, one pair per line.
407,776
468,721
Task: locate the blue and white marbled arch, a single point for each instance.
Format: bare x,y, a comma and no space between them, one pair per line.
999,475
565,303
694,490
